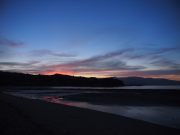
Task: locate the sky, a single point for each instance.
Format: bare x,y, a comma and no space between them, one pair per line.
91,38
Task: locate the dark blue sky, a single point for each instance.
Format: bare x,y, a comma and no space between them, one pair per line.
91,37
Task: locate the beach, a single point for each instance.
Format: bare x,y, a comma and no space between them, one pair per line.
34,117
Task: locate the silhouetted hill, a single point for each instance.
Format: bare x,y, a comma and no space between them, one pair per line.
20,79
147,81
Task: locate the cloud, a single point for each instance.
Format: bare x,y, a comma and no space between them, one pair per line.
46,52
113,64
161,51
14,66
96,63
162,62
17,63
113,61
10,43
108,62
162,72
7,47
151,53
116,63
100,63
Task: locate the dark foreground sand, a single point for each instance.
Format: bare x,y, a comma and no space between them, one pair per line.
19,116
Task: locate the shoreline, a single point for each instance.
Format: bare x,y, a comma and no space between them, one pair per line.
27,116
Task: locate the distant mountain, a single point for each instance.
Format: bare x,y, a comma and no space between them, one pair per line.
20,79
138,81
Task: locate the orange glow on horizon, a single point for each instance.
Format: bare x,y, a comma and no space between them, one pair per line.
59,72
104,75
71,73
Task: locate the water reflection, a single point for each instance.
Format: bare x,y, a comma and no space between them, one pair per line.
59,100
163,115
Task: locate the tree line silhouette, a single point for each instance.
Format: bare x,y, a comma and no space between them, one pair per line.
21,79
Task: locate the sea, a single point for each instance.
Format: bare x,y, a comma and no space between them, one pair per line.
161,114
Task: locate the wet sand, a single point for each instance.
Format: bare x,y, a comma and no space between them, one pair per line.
20,116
